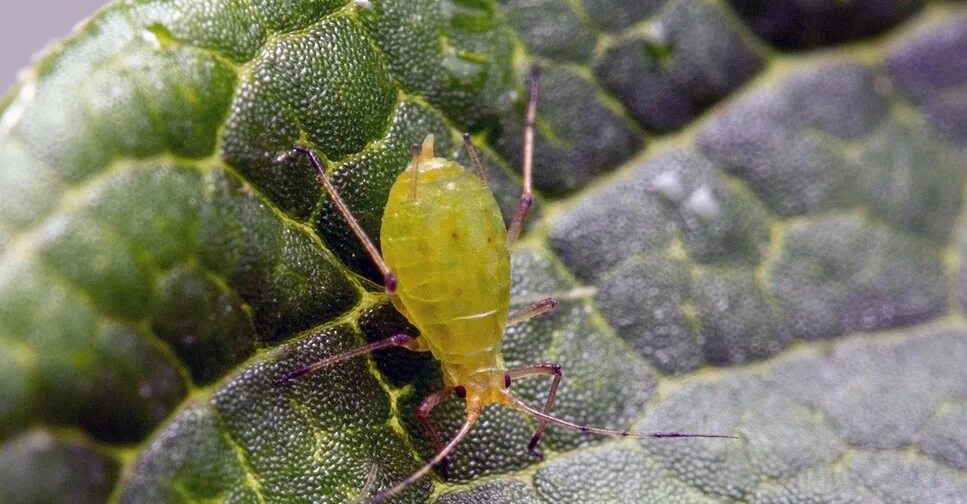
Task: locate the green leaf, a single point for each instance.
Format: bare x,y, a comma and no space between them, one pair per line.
748,238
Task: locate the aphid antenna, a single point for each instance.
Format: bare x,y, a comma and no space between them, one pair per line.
472,416
389,279
544,417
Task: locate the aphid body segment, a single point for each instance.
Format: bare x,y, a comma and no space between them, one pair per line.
446,266
445,241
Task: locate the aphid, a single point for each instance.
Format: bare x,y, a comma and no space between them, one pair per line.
446,267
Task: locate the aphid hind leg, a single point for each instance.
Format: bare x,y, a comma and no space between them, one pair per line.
526,197
396,340
546,369
389,280
423,416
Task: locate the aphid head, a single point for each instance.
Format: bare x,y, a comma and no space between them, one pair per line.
485,387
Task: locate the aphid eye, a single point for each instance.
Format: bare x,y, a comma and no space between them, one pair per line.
506,380
461,391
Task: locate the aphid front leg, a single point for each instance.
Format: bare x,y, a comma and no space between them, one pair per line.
526,197
423,415
396,340
389,280
548,369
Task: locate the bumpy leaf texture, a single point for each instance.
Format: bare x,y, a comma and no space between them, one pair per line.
753,212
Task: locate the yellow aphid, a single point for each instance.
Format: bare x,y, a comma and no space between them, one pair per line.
453,279
446,267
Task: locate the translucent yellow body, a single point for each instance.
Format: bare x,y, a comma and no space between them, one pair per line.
448,248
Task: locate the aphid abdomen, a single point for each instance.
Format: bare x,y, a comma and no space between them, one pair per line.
448,251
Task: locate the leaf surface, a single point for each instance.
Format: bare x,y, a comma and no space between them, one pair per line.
754,228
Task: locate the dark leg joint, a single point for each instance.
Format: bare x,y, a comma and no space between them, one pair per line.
534,449
444,469
401,340
535,72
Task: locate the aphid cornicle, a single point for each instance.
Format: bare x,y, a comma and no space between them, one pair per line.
446,267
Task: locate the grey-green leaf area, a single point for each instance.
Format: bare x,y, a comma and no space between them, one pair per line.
753,213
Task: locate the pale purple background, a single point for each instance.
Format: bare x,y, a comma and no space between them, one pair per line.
27,26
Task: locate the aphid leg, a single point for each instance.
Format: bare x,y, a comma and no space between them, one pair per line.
539,308
396,340
389,280
526,197
472,416
474,159
548,369
423,415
